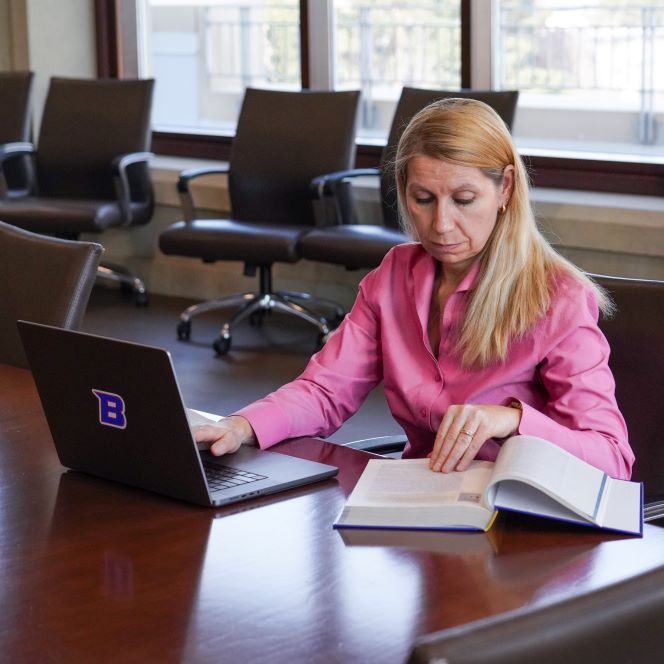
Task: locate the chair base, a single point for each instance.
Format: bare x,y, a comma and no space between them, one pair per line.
257,304
127,281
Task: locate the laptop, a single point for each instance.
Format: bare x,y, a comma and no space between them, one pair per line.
115,411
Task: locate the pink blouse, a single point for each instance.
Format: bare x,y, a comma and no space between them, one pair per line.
558,371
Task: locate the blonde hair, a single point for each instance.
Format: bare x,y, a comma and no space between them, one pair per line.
518,267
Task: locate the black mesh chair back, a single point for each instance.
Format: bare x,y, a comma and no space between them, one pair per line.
283,141
15,121
42,279
412,101
637,362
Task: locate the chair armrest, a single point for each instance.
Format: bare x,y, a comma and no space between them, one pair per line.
10,151
186,176
385,445
331,195
189,174
326,185
121,162
653,510
119,167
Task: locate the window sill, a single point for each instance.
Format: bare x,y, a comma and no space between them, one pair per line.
561,169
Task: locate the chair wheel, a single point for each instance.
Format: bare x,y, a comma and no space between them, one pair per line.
222,345
184,330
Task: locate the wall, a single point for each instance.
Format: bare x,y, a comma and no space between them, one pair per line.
49,37
61,42
13,35
602,233
137,249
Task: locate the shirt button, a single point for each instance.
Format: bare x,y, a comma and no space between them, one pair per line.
423,412
437,378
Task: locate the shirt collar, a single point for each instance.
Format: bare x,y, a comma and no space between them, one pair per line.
469,281
423,272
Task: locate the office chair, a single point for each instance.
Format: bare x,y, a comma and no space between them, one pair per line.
42,279
90,165
357,245
637,362
283,141
613,625
15,127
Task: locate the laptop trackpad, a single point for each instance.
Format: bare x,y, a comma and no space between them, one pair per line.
264,470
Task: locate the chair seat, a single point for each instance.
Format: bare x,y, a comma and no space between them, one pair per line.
351,245
67,216
224,239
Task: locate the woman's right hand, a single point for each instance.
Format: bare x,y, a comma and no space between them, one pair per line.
226,436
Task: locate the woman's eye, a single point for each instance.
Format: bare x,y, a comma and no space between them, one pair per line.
423,200
463,201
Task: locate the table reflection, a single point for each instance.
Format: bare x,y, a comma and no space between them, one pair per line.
103,572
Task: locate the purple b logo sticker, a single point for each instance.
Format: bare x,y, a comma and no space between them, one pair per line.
111,409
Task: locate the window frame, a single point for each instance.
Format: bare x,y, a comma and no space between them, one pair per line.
116,58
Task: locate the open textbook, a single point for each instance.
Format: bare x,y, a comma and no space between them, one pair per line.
530,475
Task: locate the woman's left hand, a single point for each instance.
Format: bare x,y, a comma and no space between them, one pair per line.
465,429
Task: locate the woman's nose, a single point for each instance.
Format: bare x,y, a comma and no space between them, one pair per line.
442,221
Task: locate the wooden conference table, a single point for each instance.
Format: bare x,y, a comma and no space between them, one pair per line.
91,571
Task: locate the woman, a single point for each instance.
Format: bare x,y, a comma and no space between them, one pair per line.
479,329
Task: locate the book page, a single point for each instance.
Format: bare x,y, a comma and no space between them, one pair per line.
524,498
408,481
574,483
622,508
470,544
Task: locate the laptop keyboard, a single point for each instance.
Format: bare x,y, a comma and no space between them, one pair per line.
225,477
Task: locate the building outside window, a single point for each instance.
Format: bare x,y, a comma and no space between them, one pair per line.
204,53
586,72
381,46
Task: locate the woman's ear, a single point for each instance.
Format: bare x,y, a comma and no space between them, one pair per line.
507,185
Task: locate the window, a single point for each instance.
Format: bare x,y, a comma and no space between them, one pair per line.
591,105
204,53
382,46
586,73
